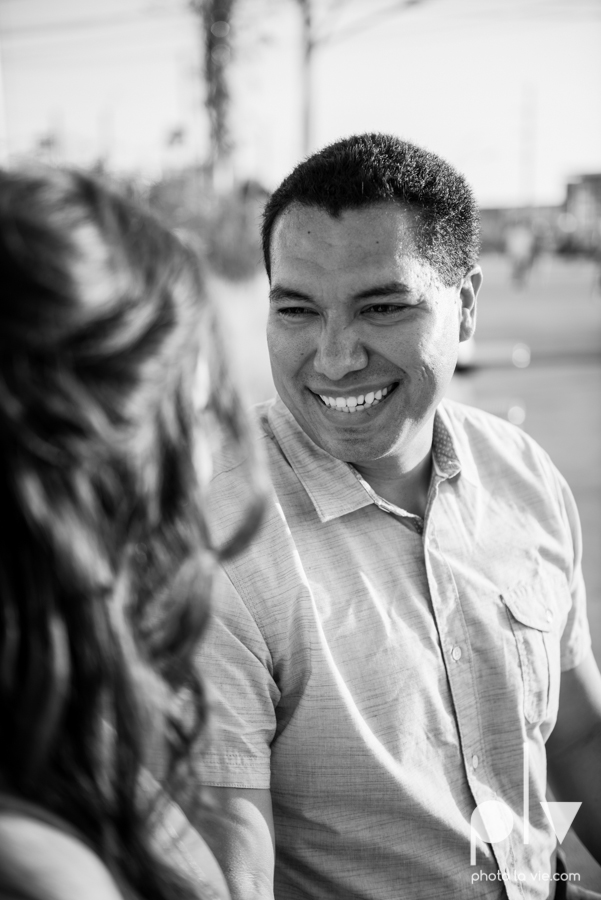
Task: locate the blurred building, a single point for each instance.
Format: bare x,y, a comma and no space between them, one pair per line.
581,222
542,220
574,227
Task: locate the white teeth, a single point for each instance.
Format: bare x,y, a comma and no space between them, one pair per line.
354,404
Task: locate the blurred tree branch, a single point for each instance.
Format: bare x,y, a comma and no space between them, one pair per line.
323,22
314,36
215,17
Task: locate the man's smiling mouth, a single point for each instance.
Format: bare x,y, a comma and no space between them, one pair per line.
358,402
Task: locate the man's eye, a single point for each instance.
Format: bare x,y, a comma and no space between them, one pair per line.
383,309
294,312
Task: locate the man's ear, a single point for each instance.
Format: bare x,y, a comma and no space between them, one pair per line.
468,293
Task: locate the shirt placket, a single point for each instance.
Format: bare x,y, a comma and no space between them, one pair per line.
462,677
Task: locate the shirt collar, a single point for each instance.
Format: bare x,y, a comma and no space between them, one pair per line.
330,483
444,455
334,486
452,451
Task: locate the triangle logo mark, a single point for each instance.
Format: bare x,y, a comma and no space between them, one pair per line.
560,815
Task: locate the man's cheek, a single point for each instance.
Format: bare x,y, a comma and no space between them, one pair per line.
278,350
290,356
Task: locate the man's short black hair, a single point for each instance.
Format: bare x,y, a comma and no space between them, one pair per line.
366,169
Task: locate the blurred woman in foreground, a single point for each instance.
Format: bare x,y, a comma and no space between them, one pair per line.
105,560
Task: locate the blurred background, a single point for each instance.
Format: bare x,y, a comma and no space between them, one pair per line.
202,106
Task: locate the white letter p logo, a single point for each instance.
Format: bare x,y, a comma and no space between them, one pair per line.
492,821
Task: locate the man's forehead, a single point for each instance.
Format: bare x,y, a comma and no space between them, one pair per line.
365,250
297,212
390,225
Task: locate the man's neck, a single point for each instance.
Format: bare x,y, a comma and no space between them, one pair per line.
407,490
402,479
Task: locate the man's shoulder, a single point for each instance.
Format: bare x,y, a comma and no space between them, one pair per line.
464,413
233,489
492,442
475,422
228,463
260,415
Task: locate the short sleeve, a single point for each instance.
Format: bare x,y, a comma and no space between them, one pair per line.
576,638
236,667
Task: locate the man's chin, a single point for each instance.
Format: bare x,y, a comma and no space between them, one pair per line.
351,437
351,449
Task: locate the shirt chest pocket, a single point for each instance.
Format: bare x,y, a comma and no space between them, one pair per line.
537,610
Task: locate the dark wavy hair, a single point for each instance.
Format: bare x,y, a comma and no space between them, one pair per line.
105,558
366,169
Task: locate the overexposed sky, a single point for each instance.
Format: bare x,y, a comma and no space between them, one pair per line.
507,90
109,79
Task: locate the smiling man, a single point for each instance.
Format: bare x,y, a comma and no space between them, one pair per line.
387,655
360,326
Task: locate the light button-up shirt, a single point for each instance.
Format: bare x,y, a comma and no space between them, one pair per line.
382,682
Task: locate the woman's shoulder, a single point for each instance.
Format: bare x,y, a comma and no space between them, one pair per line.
41,861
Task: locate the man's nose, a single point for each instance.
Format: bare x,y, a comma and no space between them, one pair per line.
339,352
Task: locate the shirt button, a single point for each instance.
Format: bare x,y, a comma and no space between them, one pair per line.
475,761
549,613
456,653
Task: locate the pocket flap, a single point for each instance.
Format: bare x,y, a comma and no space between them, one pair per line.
533,602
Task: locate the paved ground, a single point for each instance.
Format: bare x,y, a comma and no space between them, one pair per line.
558,395
559,316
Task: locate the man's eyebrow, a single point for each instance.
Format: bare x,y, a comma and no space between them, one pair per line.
281,292
388,289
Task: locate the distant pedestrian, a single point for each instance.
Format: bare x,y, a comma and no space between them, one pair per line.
520,247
